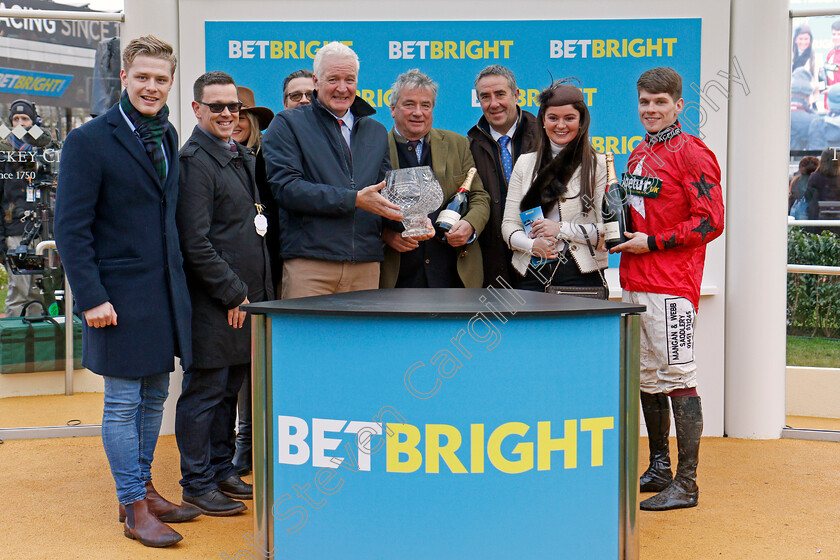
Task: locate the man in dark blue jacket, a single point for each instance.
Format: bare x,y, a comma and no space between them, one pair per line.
116,233
326,163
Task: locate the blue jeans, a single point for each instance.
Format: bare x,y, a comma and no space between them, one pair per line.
204,426
130,427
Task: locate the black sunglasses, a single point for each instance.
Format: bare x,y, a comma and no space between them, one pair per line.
298,95
220,107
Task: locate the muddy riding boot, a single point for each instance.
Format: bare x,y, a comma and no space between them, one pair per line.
141,524
682,492
658,421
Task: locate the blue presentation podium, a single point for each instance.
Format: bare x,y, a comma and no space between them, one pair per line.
445,424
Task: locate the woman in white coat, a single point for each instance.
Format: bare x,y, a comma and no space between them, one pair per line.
565,179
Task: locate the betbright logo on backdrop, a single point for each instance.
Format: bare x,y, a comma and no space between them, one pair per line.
466,450
611,48
277,49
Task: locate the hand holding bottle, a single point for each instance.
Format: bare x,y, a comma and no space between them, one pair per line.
637,242
459,234
454,211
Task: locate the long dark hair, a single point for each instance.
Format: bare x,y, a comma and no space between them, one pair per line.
829,163
804,58
552,174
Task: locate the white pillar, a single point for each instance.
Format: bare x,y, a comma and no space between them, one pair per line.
756,221
158,18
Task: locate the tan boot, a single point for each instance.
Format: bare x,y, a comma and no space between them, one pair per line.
163,509
141,524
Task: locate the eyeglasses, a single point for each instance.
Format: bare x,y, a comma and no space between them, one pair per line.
298,95
220,107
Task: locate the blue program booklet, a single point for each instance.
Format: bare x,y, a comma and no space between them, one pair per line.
529,217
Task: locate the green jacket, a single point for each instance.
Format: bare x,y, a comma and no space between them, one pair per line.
451,160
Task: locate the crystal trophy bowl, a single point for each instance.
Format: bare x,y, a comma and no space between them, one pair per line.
417,192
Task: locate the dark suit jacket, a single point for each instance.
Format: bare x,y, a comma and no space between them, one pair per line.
116,234
224,257
451,160
487,154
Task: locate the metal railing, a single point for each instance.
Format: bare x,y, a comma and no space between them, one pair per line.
809,268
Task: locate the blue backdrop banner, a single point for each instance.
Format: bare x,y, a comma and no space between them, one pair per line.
607,56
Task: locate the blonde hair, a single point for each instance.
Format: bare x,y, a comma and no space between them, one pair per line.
254,137
148,45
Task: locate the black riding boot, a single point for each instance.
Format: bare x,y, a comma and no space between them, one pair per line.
683,491
658,421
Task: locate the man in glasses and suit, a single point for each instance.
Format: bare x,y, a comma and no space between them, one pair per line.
326,164
297,89
222,228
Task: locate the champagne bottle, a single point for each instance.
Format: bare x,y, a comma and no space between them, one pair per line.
455,208
613,210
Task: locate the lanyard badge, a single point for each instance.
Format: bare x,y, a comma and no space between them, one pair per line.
260,221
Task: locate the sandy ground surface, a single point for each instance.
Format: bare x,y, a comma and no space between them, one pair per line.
767,500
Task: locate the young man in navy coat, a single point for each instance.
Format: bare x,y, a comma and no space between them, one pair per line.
116,233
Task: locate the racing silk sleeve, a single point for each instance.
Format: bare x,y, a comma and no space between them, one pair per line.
699,178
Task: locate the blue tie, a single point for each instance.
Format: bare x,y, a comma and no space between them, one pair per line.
507,160
416,147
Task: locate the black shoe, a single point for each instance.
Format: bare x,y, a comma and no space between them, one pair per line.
233,487
215,503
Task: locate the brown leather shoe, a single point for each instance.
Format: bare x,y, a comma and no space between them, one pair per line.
163,509
142,525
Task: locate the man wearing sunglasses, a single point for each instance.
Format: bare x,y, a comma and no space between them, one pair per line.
298,89
326,162
222,232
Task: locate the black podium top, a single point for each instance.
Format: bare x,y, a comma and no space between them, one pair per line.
450,302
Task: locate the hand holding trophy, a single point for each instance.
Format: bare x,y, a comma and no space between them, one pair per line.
417,192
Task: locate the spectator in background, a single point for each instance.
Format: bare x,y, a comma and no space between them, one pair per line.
297,89
799,185
252,120
825,130
801,115
825,182
832,59
18,200
803,52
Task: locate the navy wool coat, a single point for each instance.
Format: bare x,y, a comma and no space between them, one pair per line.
116,235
